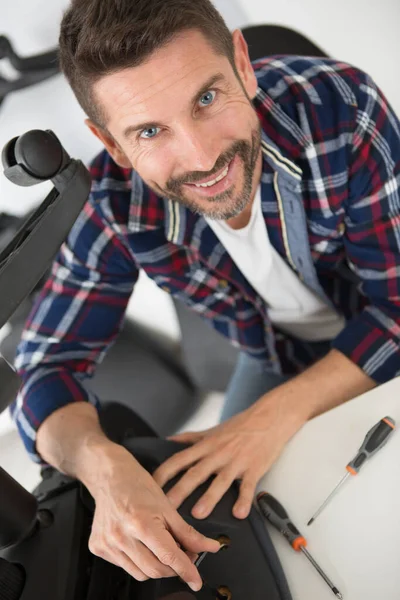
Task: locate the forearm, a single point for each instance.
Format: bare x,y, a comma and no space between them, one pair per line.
328,383
333,380
72,441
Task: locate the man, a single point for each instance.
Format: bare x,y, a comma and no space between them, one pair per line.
265,197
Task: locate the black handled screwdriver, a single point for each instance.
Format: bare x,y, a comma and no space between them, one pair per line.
278,517
375,439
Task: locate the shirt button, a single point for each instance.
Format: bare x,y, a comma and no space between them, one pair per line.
223,283
341,228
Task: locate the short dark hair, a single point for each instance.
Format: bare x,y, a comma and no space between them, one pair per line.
100,37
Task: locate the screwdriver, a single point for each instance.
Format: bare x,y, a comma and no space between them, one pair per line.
376,437
278,517
222,592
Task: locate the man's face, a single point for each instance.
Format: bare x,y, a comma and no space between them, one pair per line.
186,124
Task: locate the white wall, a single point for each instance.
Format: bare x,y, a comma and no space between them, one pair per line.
362,32
33,27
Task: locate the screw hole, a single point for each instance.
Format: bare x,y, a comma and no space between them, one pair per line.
225,541
224,593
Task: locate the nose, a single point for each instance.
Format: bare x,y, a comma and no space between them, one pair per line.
197,148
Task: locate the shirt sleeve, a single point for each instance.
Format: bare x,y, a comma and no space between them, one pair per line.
74,321
372,235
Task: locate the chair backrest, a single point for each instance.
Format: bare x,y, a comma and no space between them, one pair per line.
264,40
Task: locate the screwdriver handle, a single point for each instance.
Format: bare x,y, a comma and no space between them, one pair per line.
376,437
278,517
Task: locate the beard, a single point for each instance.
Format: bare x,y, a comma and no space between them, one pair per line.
229,203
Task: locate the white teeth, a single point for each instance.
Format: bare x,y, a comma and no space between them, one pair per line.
214,181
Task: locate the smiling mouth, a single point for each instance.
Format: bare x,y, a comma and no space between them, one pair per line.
216,180
221,183
212,182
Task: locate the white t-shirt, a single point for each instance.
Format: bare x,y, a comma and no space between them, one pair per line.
292,306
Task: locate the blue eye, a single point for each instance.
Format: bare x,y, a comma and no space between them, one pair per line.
208,98
149,133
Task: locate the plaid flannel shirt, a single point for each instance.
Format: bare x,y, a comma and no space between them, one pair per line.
330,199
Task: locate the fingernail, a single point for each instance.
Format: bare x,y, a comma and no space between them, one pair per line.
241,512
200,510
196,587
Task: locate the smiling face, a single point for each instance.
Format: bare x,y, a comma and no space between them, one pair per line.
185,123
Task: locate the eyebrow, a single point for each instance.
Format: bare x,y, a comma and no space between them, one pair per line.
217,78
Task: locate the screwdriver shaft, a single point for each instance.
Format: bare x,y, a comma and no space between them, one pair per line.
322,573
321,508
275,513
375,439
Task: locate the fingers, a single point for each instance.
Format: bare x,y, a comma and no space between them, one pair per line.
136,527
118,558
123,561
134,558
169,554
191,539
145,560
189,437
177,463
243,505
206,465
193,556
198,474
206,504
194,477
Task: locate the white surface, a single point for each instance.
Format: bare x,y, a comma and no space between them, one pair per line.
293,306
15,460
6,425
153,307
356,538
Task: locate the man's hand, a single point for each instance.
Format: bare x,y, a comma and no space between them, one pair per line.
244,447
247,445
135,526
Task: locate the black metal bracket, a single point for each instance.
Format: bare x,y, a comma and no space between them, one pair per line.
32,69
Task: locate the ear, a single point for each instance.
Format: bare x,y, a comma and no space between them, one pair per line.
110,144
243,63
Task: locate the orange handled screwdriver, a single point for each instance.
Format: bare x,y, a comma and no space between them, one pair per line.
278,517
376,437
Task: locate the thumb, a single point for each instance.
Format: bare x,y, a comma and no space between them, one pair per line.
190,538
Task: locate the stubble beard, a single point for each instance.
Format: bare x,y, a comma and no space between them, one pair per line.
230,203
